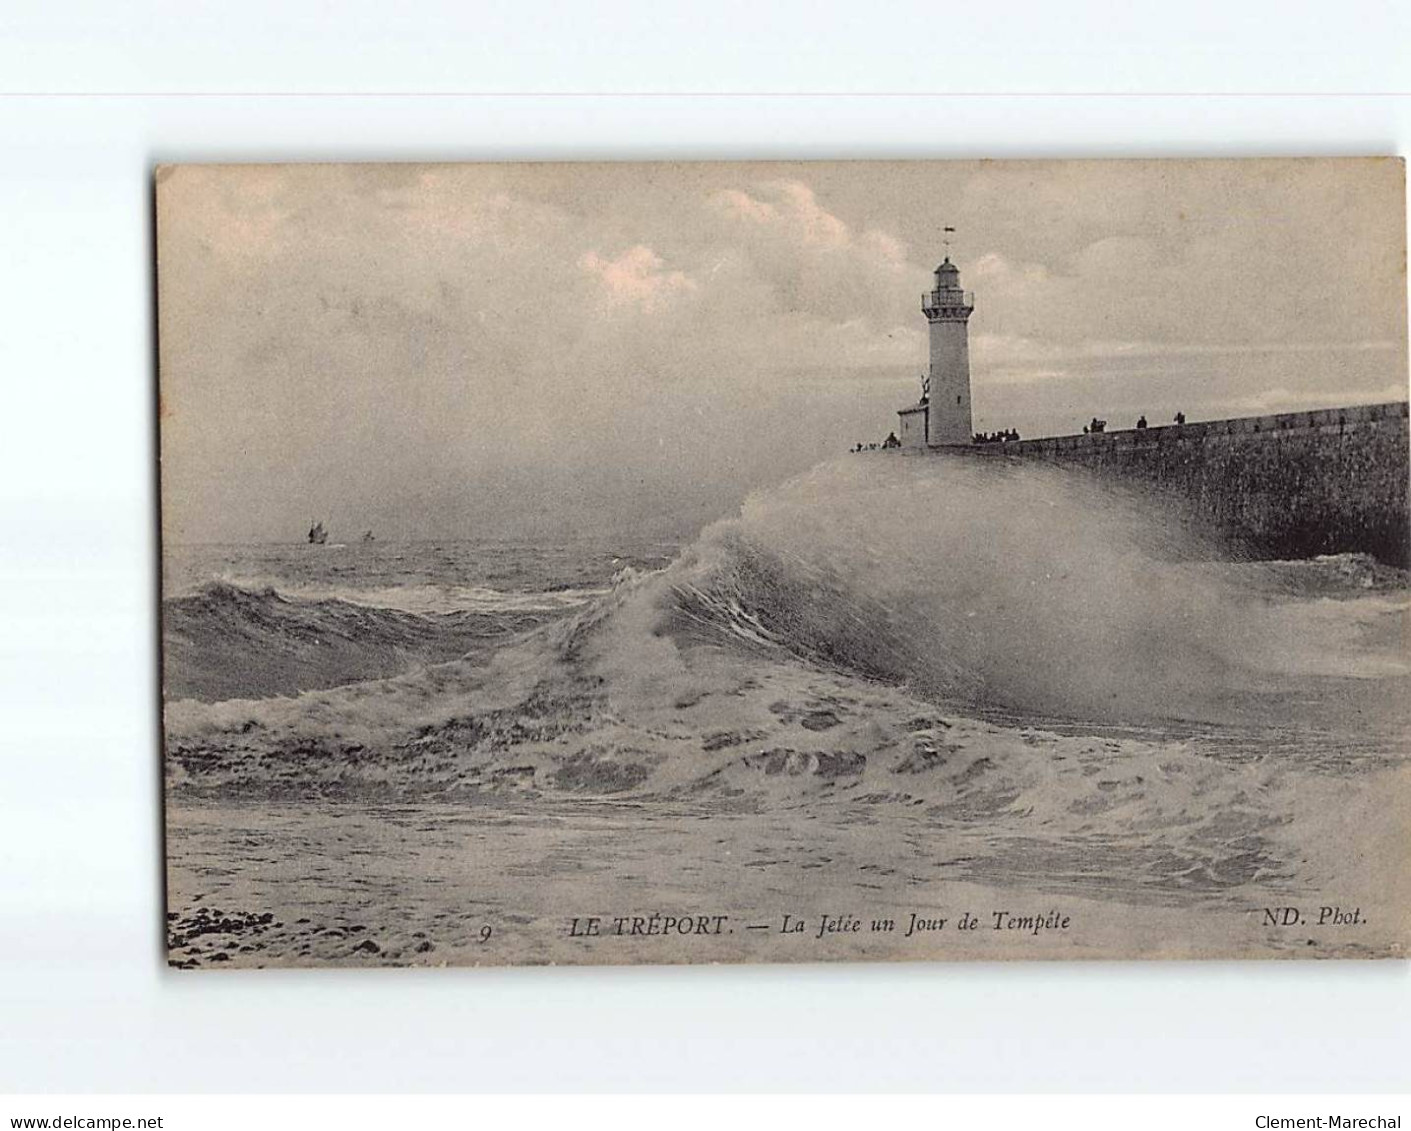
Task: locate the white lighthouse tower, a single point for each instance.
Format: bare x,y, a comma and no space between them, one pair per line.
947,309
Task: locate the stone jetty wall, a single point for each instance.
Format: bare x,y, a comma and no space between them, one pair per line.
1292,485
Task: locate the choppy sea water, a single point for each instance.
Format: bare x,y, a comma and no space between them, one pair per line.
894,690
277,619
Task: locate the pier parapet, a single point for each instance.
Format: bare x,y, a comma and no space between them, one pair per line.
1287,485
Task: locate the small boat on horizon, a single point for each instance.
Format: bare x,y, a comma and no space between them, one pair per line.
317,534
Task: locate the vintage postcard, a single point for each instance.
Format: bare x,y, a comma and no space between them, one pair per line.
693,563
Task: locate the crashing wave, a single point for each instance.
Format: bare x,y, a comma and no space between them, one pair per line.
795,647
1021,588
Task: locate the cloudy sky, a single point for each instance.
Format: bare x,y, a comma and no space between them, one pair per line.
542,351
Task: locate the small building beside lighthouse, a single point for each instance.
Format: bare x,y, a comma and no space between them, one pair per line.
942,417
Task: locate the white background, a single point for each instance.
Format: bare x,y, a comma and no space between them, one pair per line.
85,1002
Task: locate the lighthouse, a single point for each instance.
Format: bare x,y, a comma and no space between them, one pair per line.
942,417
947,309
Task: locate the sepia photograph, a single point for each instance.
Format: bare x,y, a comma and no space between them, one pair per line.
693,562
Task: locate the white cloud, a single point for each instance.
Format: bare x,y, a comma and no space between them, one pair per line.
788,205
742,206
636,277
